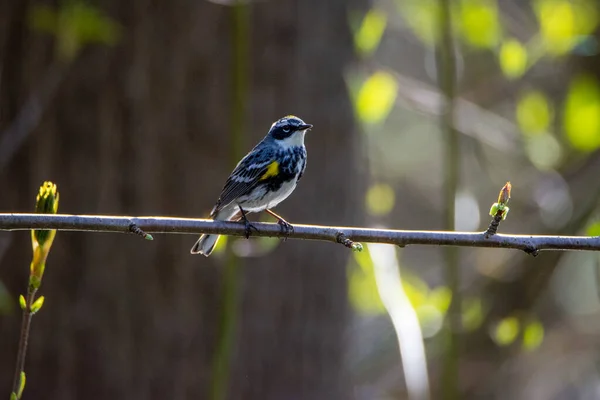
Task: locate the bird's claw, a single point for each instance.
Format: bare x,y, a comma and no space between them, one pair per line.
286,228
248,228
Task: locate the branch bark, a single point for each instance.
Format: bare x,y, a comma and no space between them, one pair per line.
531,244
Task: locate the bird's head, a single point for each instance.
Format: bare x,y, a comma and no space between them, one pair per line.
289,130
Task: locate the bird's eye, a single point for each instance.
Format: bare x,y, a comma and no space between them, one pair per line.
286,129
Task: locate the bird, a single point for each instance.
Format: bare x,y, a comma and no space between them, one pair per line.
265,177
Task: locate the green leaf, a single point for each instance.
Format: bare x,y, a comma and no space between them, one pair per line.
582,114
479,24
13,396
376,97
368,35
380,199
37,305
513,59
506,331
533,335
22,302
534,113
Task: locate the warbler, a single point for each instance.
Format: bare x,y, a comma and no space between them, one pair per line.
262,179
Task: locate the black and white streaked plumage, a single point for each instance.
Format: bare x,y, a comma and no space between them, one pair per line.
262,179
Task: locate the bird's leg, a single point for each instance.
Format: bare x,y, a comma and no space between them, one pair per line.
248,226
286,227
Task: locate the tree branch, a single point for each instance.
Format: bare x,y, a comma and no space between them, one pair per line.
100,223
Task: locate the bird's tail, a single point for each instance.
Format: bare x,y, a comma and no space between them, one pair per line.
207,242
205,245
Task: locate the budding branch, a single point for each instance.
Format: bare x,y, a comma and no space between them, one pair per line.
531,244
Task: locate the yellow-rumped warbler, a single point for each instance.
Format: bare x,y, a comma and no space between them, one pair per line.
262,179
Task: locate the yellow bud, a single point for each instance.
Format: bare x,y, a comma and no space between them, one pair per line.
41,239
46,203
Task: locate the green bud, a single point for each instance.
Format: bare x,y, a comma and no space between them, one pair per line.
13,396
37,305
35,280
46,203
41,240
505,212
357,247
494,209
22,302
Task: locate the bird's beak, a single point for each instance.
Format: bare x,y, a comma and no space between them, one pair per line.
305,127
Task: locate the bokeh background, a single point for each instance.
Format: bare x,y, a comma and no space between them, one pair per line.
422,109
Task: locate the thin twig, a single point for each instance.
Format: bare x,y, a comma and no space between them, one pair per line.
24,338
493,228
133,228
99,223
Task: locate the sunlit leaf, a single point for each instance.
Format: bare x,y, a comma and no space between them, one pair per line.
416,289
380,199
479,24
472,314
533,335
440,298
563,22
221,245
506,331
513,58
368,35
376,97
423,18
593,229
534,113
362,287
582,114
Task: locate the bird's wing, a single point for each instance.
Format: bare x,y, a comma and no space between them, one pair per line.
250,171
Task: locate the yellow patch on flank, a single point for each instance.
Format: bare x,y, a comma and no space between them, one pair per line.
272,171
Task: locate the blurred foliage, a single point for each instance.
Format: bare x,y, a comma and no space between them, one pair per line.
6,302
430,304
74,24
533,335
422,17
478,22
513,58
534,113
376,97
582,113
472,314
506,331
563,23
593,229
370,32
380,199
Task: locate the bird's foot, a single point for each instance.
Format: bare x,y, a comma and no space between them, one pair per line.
248,228
247,225
286,228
